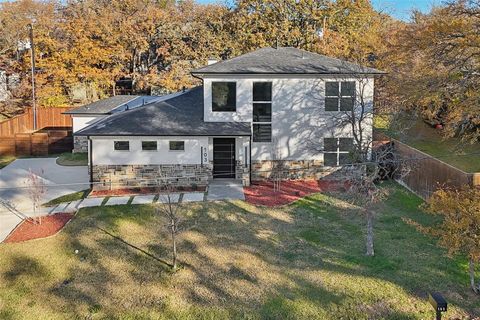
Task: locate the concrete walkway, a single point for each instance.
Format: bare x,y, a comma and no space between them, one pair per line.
217,190
225,190
59,181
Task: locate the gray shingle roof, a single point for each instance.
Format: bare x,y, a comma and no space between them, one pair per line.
284,60
181,115
103,106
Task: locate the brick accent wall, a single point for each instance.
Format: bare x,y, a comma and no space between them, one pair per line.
80,144
292,169
131,176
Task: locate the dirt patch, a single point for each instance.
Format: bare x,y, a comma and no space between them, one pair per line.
261,192
28,230
139,191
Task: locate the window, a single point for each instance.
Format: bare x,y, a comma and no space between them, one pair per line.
121,145
337,151
177,145
224,96
262,91
262,132
262,112
149,145
339,96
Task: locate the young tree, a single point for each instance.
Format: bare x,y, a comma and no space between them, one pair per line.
349,102
36,190
278,167
170,208
459,231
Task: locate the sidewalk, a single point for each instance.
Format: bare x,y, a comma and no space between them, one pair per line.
218,191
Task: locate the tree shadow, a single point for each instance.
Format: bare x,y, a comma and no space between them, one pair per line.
268,263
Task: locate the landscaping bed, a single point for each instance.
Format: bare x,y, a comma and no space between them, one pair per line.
262,193
141,191
29,230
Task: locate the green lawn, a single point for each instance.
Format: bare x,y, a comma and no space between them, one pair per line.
450,150
68,198
302,261
72,159
6,160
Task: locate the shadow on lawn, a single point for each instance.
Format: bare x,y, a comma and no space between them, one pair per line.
239,258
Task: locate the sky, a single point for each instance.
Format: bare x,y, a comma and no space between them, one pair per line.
401,8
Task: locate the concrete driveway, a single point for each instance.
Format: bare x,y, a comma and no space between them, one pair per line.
59,180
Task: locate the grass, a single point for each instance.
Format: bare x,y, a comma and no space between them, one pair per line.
302,261
64,159
450,150
6,160
68,198
72,159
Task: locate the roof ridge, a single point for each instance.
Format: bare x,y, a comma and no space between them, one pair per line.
283,60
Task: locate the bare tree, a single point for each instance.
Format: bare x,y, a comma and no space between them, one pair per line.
169,207
278,167
36,190
358,161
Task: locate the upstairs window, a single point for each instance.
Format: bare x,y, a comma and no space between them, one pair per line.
337,151
121,145
262,112
262,91
224,96
177,145
149,145
339,96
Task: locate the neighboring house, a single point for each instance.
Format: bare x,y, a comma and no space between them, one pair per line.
252,110
88,114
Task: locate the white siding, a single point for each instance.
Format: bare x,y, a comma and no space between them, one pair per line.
80,122
299,118
104,153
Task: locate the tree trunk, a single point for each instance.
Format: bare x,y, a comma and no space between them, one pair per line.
370,250
174,246
471,267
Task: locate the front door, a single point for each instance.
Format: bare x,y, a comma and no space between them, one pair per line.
224,158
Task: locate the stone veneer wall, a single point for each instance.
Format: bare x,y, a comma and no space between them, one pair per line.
243,173
80,144
293,169
132,176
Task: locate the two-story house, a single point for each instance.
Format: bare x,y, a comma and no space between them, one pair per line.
269,105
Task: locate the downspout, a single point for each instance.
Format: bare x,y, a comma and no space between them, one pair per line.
90,161
250,160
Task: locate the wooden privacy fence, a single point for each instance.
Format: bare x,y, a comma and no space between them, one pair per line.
41,143
427,174
46,117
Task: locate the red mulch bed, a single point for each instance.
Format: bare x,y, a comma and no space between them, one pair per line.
261,192
28,230
137,191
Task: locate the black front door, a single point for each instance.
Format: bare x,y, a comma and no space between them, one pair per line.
223,157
